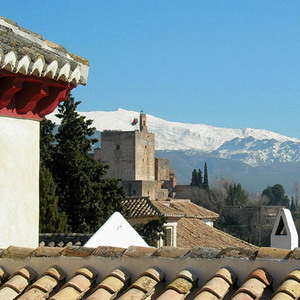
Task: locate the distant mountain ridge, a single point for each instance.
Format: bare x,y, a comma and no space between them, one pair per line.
254,147
245,148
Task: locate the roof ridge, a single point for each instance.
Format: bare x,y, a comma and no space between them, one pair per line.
255,252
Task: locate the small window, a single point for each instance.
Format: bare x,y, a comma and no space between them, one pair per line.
168,236
117,147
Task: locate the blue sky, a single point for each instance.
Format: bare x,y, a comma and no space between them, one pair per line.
222,63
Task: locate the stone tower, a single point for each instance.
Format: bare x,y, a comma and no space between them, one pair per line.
130,154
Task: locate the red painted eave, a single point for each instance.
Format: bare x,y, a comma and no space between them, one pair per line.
30,97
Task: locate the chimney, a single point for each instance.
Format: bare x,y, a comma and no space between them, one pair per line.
284,234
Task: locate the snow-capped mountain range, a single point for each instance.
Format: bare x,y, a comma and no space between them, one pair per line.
254,147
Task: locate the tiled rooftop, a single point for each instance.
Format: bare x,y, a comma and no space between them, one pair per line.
148,273
28,53
63,240
192,232
144,207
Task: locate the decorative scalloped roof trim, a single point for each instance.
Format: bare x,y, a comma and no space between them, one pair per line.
51,70
37,67
23,65
74,68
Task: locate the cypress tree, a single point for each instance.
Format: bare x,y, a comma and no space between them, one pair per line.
293,206
199,179
51,219
195,178
205,184
84,195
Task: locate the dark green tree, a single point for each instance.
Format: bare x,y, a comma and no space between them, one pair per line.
276,195
205,184
84,195
152,231
236,195
293,206
51,218
196,180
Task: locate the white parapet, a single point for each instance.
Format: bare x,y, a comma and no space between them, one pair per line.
284,234
19,182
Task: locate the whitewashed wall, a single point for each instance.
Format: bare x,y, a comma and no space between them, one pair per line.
19,182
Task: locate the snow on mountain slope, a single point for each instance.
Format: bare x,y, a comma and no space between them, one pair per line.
259,152
179,136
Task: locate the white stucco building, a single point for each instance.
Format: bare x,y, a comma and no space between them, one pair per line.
35,76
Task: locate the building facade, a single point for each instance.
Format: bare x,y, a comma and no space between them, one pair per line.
35,76
130,156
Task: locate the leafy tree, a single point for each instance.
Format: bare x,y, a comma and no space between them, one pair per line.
276,195
152,231
236,195
205,184
84,195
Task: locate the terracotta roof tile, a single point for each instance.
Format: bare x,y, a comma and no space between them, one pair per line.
207,295
101,294
77,251
77,286
295,254
255,284
242,296
267,252
3,275
63,240
156,275
47,252
16,284
204,253
144,286
289,286
111,252
144,207
112,284
193,232
237,252
171,252
172,294
140,207
16,252
282,296
183,283
133,294
218,286
136,251
44,285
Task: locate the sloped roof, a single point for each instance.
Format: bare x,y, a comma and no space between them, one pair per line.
144,207
116,232
192,232
28,53
167,273
63,239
